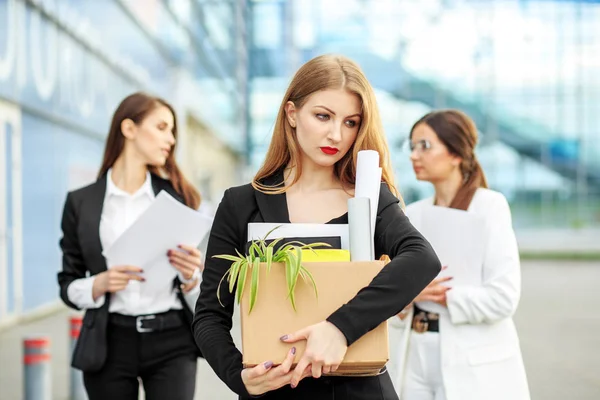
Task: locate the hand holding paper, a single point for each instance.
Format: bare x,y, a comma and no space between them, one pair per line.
115,279
186,260
165,225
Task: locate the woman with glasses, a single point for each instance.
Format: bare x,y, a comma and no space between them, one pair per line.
459,341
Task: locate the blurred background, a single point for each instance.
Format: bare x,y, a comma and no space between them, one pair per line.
527,72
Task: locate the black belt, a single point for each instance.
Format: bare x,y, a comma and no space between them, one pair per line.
424,321
148,323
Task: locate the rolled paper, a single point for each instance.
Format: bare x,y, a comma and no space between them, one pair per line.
368,183
359,227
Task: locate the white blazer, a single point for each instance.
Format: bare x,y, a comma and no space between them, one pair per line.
480,352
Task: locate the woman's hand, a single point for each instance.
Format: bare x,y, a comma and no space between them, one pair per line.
264,378
115,279
326,347
435,291
186,261
187,287
404,313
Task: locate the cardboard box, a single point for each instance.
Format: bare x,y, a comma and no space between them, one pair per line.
273,315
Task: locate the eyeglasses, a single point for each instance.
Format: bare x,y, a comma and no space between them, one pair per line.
420,146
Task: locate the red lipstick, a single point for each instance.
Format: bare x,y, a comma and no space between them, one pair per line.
329,150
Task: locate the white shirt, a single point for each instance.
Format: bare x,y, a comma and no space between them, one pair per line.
120,210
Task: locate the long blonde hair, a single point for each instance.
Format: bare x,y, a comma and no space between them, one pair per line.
322,73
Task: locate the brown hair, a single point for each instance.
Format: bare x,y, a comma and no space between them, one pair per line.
459,134
322,73
136,107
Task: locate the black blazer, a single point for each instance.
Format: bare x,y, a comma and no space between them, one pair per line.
82,252
414,265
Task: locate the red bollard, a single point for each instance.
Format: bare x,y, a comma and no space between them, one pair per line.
37,369
77,388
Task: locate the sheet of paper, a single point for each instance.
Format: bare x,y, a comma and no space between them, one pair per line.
259,230
458,239
163,226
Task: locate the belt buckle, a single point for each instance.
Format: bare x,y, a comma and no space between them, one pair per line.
420,323
139,321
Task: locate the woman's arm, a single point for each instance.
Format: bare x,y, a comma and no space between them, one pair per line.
212,322
75,288
499,294
413,266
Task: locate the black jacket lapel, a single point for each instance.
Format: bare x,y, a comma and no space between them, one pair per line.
91,212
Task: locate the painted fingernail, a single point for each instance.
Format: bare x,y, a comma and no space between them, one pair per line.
293,350
284,337
268,364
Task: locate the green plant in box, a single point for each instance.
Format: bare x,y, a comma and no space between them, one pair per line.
289,254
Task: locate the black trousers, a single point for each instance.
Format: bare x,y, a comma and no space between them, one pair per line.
338,388
164,361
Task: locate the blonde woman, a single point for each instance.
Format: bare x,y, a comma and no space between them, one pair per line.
458,342
327,115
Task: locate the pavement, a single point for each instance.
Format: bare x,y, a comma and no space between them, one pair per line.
558,323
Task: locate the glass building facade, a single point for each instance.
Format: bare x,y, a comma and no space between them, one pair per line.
64,67
527,72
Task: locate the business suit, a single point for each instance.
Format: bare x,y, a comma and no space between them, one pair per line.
479,346
82,253
413,266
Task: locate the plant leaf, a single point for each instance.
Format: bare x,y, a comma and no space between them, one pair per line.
312,280
254,284
242,281
314,284
239,254
235,269
291,245
271,231
269,258
297,266
228,257
255,250
290,271
313,245
219,287
303,275
274,242
263,248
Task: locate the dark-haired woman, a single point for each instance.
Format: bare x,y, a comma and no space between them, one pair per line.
459,341
128,333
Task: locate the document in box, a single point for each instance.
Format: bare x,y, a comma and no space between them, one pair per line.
258,231
166,224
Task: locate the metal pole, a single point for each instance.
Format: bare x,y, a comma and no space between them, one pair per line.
37,369
77,389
